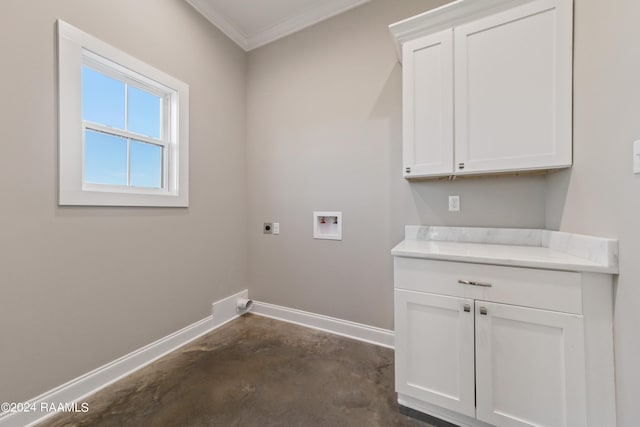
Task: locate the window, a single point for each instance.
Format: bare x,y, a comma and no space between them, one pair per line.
123,130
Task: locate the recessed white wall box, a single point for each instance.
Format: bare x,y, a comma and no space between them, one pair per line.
327,225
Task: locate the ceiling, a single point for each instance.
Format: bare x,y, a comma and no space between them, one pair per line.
254,23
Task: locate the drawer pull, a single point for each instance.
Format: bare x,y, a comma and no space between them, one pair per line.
467,308
469,282
483,311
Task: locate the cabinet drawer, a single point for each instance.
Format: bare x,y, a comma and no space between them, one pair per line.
546,289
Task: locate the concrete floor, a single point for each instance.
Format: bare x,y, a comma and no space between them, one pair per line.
254,371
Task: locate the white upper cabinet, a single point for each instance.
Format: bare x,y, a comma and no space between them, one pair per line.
513,90
428,105
487,90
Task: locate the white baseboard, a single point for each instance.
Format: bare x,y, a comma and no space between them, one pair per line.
224,310
87,384
345,328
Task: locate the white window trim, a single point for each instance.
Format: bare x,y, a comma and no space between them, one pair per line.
73,45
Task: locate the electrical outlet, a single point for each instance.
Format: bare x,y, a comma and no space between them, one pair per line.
267,228
454,203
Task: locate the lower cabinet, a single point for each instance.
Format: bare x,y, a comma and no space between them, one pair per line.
529,366
500,364
434,349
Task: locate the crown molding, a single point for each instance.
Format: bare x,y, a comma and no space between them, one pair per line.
221,21
289,25
325,10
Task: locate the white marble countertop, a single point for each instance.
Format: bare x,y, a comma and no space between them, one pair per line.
513,247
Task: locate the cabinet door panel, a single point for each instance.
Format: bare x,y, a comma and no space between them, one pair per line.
428,105
513,89
530,367
434,349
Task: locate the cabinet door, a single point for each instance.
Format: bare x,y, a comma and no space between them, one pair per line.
530,368
428,105
434,349
513,97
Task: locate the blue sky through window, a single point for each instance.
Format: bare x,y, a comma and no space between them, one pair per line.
105,159
145,159
116,160
102,99
144,113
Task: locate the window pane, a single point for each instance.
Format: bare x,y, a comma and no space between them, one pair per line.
146,165
144,113
102,99
105,159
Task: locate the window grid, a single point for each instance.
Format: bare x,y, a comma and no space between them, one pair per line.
129,138
105,67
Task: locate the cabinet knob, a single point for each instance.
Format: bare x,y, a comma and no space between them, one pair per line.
467,308
483,311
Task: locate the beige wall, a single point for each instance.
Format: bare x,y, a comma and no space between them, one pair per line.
600,195
324,133
84,286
